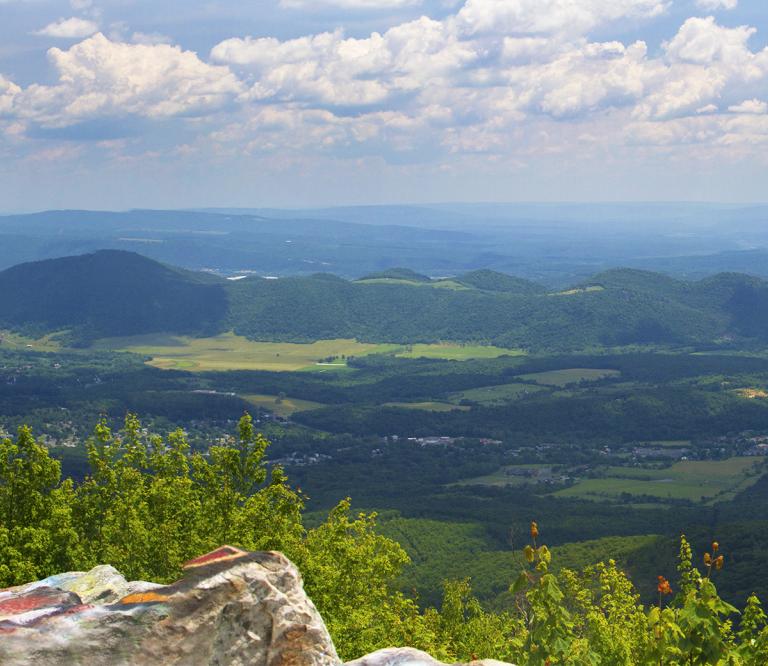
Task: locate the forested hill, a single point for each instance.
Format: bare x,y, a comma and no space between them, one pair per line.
111,293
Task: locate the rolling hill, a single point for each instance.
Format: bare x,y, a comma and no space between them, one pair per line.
109,293
116,293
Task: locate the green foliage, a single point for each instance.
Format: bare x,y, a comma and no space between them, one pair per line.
149,504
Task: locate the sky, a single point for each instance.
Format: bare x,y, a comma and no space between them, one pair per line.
293,103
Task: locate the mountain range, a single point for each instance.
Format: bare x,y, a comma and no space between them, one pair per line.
117,293
556,245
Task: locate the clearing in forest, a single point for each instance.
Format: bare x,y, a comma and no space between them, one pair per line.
570,376
234,352
695,480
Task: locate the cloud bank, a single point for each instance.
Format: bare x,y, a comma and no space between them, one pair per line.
494,80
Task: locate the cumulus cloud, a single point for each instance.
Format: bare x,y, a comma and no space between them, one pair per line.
472,81
702,41
714,5
551,16
704,63
8,90
333,70
71,28
494,78
99,78
753,106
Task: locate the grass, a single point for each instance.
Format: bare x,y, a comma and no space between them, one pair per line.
570,376
48,343
435,284
695,480
496,395
285,407
751,393
455,352
502,477
233,352
427,406
573,292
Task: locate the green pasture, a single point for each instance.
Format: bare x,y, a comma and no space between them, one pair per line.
582,290
455,351
282,407
427,406
234,352
570,376
16,342
435,284
695,480
502,477
496,395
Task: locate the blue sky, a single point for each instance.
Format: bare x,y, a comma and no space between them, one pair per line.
132,103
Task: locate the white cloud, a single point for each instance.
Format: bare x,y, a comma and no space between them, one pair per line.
714,5
705,63
330,69
494,78
752,106
702,41
71,28
99,78
551,16
348,4
8,90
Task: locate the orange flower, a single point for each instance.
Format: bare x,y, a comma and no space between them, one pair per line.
715,546
707,559
664,587
534,530
719,562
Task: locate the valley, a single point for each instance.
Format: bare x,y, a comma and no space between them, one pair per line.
406,399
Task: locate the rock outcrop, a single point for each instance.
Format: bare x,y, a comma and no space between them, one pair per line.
231,608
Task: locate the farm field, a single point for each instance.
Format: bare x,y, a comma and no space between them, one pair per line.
695,480
427,406
570,376
17,342
285,407
234,352
435,284
496,395
455,352
511,475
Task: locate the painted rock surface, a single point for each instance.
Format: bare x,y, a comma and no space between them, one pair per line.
231,607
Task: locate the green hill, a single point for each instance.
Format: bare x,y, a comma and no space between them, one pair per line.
405,274
487,280
115,293
109,293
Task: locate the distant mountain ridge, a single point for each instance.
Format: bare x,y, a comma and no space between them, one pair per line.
116,293
556,245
